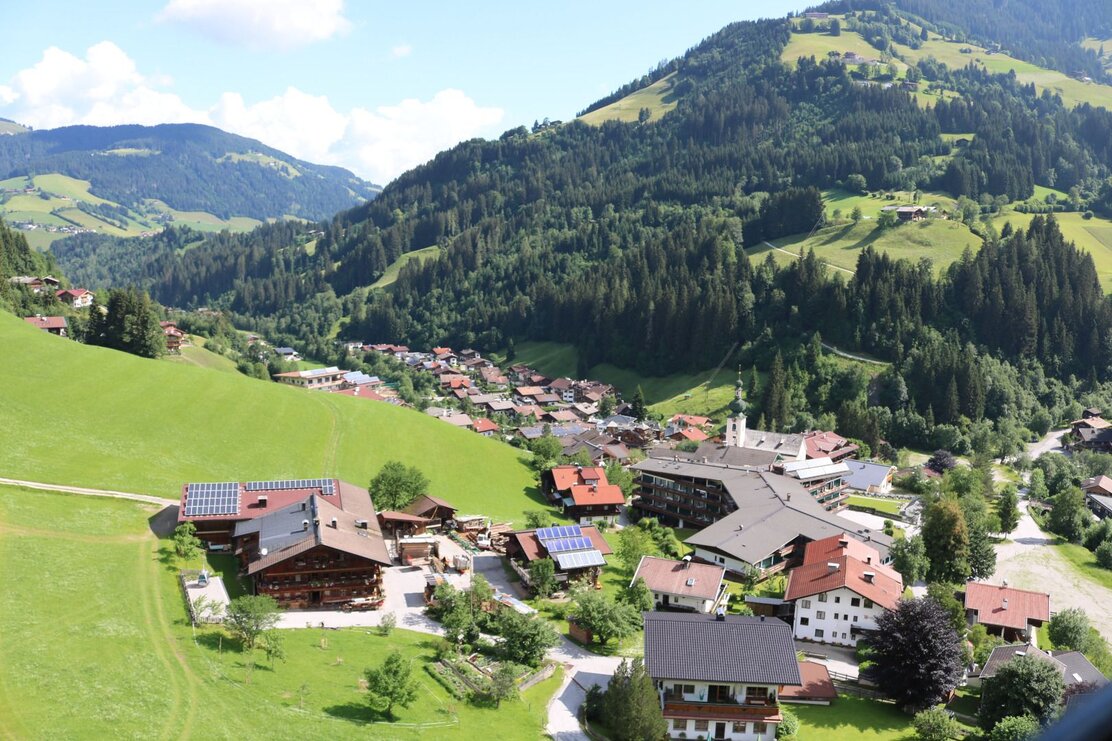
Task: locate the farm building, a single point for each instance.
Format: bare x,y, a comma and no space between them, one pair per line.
578,551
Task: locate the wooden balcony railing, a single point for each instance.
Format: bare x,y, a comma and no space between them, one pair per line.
722,711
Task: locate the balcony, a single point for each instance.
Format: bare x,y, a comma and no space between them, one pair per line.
730,711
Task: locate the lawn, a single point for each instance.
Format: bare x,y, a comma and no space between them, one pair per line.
197,355
704,393
891,506
939,240
160,424
818,45
390,275
1084,563
852,718
63,185
871,203
94,627
659,98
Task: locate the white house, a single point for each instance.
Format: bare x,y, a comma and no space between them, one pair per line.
840,591
720,676
682,585
869,478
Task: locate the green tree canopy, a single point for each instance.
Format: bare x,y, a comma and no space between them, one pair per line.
1026,685
917,652
391,684
396,485
946,539
631,705
249,616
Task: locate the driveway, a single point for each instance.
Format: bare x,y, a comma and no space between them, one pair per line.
1029,562
840,659
875,522
1051,442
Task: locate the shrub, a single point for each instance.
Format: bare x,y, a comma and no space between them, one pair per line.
1104,554
789,726
935,724
1015,728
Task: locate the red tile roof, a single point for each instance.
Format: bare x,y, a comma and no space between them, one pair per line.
529,391
72,292
47,322
691,419
441,350
603,494
249,507
816,684
693,433
672,577
567,476
822,444
563,415
391,515
532,550
361,392
816,578
482,424
1023,607
836,546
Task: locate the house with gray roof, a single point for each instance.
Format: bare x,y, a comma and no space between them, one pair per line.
748,518
869,478
720,676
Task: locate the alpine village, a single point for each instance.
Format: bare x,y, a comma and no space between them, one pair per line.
769,396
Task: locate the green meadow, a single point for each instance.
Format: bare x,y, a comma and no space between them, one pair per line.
390,275
659,98
95,643
93,417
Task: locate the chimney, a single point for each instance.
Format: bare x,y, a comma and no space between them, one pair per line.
789,497
869,560
843,541
333,523
831,566
361,524
1005,603
720,615
304,505
869,576
304,524
262,500
687,561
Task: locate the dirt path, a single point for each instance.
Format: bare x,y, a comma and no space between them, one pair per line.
88,492
786,252
1030,561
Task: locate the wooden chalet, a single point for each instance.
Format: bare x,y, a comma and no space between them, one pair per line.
52,324
175,338
583,492
78,298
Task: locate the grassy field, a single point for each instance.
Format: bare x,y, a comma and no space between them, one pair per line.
871,203
853,719
1073,92
11,127
941,241
659,98
95,643
153,425
891,506
266,160
1085,563
391,273
197,355
687,393
819,45
1092,235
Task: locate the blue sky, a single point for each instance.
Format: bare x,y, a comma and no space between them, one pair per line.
372,86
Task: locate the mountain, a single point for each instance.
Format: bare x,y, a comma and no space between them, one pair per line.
125,180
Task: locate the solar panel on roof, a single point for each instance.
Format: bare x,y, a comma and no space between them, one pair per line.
579,559
564,545
561,531
327,486
212,499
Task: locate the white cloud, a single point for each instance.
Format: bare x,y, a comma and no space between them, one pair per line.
105,88
401,50
261,24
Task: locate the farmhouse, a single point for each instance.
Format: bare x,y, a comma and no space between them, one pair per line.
720,676
577,550
175,338
1013,614
583,492
288,354
35,284
869,478
750,518
682,585
52,324
321,379
840,590
911,213
484,426
437,511
78,298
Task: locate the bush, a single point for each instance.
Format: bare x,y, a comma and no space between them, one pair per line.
935,724
789,726
1015,728
448,680
1104,554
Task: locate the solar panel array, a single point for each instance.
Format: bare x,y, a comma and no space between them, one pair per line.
565,545
579,559
326,486
212,499
562,531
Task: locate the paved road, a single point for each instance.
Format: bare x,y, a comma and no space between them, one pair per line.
1051,442
1029,562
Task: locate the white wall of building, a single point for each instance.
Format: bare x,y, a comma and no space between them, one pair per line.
830,617
698,692
693,603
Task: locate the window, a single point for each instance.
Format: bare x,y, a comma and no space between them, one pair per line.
818,633
686,689
822,597
806,604
843,636
855,602
804,621
679,724
756,694
868,603
821,615
855,618
835,616
837,600
702,725
760,728
739,727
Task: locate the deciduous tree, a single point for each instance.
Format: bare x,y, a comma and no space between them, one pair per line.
396,485
1026,685
918,653
391,684
249,616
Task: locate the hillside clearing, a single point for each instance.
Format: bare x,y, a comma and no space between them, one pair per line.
390,275
820,45
160,424
128,664
659,98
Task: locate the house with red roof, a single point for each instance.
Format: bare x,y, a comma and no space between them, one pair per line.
683,585
52,324
830,445
1013,614
689,420
78,298
175,338
583,493
689,434
484,426
840,590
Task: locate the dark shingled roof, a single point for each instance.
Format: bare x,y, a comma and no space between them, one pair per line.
705,649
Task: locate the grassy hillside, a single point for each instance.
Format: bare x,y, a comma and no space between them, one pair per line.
196,355
152,425
659,98
941,241
391,273
95,643
819,45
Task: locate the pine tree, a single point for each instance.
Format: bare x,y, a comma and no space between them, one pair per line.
638,403
951,412
775,402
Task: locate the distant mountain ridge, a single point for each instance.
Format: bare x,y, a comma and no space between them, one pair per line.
188,167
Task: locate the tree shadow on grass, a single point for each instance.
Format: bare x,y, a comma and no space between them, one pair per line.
358,712
163,522
214,640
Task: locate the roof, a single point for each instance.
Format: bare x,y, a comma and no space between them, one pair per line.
1002,655
820,444
786,444
692,433
811,469
863,474
330,372
680,578
457,420
691,419
1101,485
47,322
731,649
74,292
282,533
602,494
1103,501
563,415
1079,669
566,476
427,503
276,494
836,546
816,684
531,545
848,573
771,512
1006,607
529,391
721,454
482,424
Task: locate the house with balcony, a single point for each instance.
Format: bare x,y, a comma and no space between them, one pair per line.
840,590
320,379
683,585
720,676
824,479
1012,614
583,493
